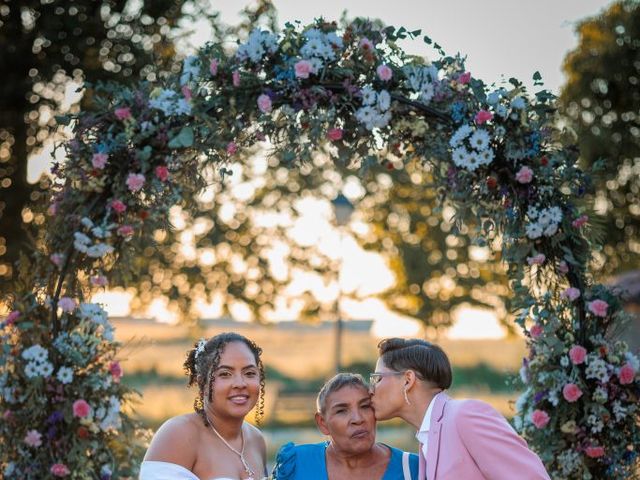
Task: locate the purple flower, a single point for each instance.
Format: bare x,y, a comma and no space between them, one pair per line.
540,396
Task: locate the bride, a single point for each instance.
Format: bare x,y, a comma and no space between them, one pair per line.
214,443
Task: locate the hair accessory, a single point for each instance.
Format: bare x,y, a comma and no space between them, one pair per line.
199,349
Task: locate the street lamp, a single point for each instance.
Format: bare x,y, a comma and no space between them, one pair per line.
342,209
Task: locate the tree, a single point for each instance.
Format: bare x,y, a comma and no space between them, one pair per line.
45,46
602,102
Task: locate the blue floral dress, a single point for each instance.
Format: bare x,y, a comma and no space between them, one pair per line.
307,462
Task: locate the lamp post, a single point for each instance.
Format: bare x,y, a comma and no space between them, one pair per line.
342,209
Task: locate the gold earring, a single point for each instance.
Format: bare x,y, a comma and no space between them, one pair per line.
406,397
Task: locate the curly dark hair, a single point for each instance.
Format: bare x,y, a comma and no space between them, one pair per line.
206,364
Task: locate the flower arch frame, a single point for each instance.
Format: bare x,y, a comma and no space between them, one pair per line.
496,153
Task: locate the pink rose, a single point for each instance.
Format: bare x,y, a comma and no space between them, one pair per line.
33,438
483,116
232,148
135,181
536,330
123,113
126,231
12,317
540,418
570,294
366,44
186,91
67,304
235,77
118,206
99,160
536,259
116,371
57,259
59,470
384,73
524,175
264,103
464,78
99,281
162,173
594,452
303,68
571,392
577,354
598,308
334,134
580,221
627,374
81,408
213,67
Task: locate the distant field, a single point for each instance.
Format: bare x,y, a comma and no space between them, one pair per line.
153,355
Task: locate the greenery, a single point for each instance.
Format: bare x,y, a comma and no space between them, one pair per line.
601,100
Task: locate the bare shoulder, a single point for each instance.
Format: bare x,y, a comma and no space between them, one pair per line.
255,437
174,441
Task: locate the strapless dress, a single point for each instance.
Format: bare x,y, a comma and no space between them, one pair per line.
152,470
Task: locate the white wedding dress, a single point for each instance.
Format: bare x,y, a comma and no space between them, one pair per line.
152,470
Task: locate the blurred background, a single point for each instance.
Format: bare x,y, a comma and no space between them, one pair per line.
317,264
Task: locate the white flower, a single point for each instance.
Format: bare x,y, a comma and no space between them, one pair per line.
31,370
533,230
384,100
554,398
93,312
334,40
486,156
45,369
480,139
619,411
313,47
65,375
170,103
518,103
596,423
596,369
544,217
369,95
555,213
316,64
86,221
427,92
81,242
190,70
36,353
463,132
99,250
532,212
600,395
551,230
564,361
524,376
459,156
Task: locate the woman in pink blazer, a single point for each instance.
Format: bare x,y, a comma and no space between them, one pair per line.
459,439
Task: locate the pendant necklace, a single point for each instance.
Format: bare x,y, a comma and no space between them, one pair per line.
240,453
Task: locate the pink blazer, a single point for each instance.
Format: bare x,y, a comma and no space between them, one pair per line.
470,440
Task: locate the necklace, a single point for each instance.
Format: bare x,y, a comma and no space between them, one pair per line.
240,453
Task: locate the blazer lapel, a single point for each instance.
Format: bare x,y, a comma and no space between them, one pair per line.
433,449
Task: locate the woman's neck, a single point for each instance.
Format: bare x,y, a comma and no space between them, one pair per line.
414,413
354,460
228,427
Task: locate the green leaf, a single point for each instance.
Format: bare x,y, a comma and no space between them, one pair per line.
427,40
537,76
63,119
183,139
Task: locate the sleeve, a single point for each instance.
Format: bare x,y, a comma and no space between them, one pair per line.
285,465
494,445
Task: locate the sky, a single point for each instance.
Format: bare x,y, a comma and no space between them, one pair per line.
500,38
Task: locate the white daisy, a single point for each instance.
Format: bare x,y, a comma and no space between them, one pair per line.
463,132
480,139
486,156
459,156
65,375
551,230
532,212
556,214
533,230
384,100
427,91
369,96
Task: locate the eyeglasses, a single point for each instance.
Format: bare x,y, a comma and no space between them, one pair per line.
374,378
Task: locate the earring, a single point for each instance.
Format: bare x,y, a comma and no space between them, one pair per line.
406,397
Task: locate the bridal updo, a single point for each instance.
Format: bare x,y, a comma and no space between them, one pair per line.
203,360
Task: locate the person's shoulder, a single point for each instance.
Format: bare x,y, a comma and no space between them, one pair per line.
471,410
310,455
253,433
174,440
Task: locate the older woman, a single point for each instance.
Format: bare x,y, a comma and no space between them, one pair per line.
344,413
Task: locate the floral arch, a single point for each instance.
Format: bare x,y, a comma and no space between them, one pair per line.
495,152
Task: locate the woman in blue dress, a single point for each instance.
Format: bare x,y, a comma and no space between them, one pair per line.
344,413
